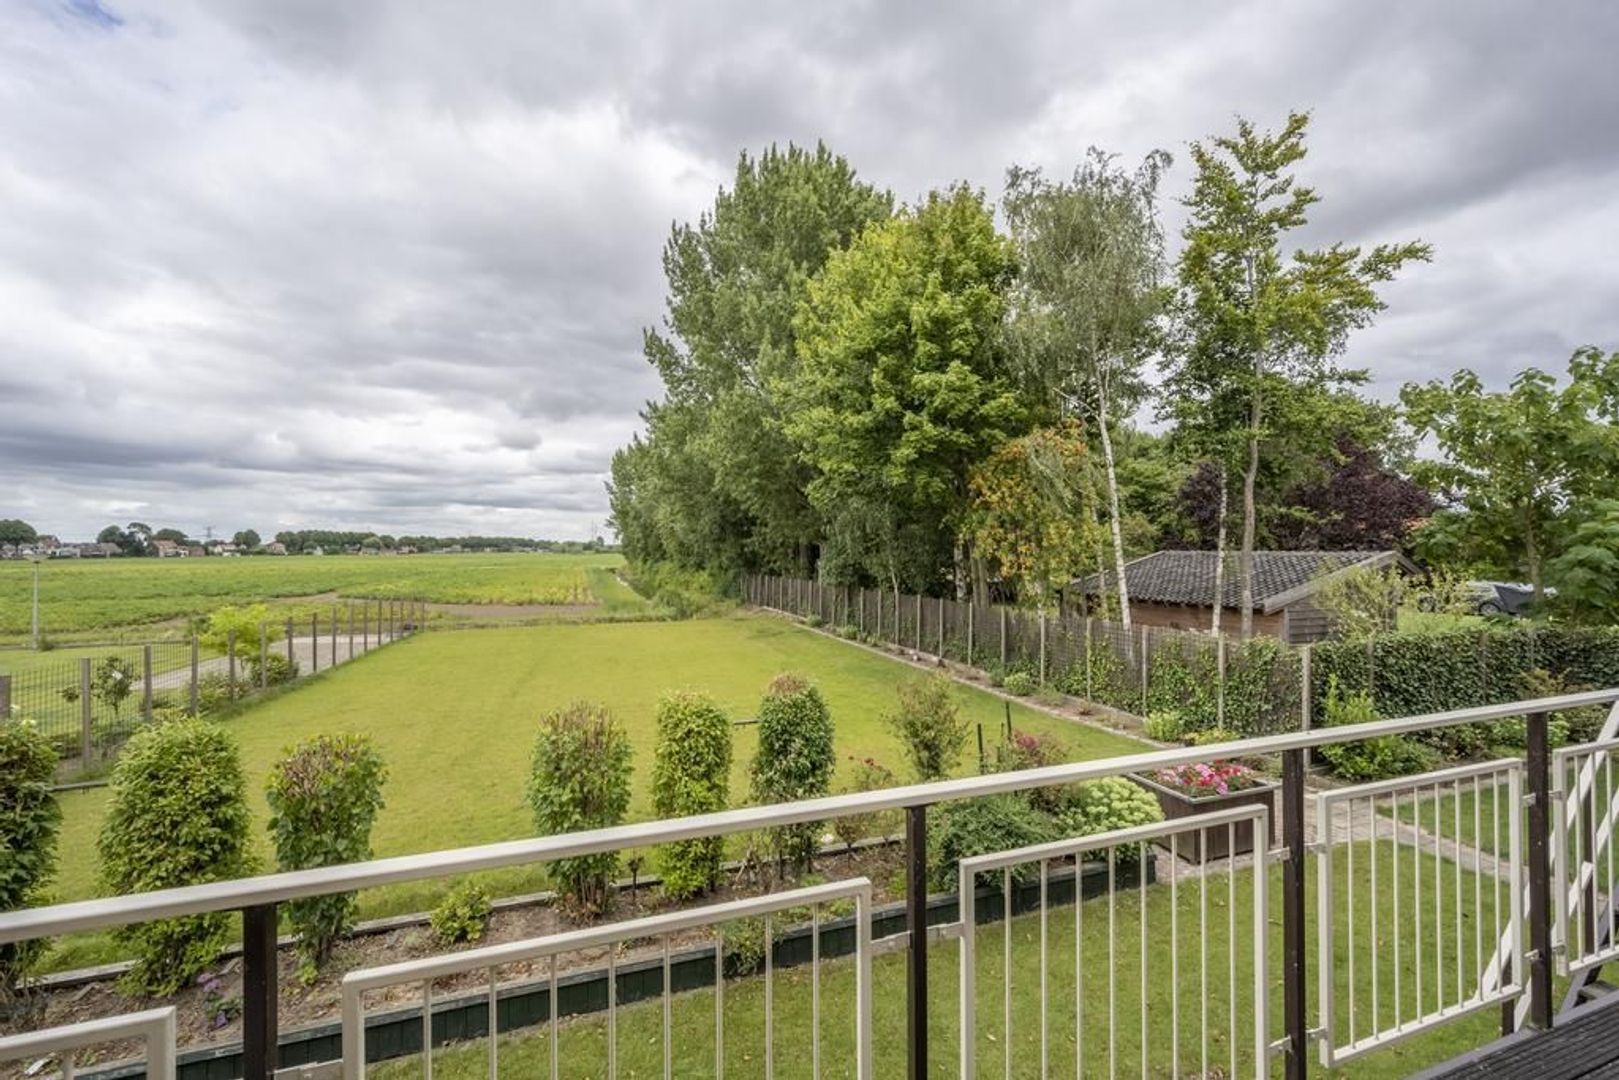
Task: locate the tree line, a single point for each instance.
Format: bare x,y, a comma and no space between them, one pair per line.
946,396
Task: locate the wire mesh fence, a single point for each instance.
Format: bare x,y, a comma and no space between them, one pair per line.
1252,687
88,700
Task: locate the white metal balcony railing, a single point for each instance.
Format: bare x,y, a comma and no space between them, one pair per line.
1584,930
155,1028
1502,976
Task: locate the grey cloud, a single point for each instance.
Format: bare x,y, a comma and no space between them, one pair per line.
386,264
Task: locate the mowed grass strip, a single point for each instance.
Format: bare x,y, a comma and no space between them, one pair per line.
454,714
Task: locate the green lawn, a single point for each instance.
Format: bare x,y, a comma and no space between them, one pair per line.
582,1044
92,596
454,713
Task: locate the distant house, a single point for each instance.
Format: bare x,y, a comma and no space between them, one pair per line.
1176,589
275,547
65,551
168,549
110,550
195,551
44,544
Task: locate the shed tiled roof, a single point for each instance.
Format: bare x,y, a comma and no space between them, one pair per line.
1187,577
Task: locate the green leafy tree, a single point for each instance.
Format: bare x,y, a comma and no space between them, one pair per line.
112,682
1029,513
177,816
245,624
324,797
691,774
903,384
795,760
247,538
1519,470
1263,330
1089,293
718,485
1586,572
580,779
174,535
30,818
14,531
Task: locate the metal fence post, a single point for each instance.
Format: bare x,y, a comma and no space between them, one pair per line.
87,720
291,658
1144,671
918,622
1003,637
941,628
970,622
333,635
365,625
1089,693
1042,646
230,662
1294,1003
5,697
1219,680
1537,760
146,684
314,643
259,993
351,630
916,914
196,665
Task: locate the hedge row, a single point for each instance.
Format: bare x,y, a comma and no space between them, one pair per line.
1409,674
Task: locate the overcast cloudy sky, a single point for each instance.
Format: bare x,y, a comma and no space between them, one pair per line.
385,265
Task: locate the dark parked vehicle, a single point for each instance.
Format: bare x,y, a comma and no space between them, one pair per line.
1505,597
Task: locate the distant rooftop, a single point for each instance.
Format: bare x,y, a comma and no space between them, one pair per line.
1280,577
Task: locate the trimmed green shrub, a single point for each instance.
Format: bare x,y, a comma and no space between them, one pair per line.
324,797
178,816
462,915
1021,684
1368,759
580,779
29,820
795,760
929,723
1099,806
866,774
691,771
960,830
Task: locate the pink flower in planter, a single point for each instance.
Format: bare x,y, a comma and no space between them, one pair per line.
1208,778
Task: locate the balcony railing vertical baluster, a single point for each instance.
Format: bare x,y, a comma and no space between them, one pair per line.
916,912
1294,1006
1538,763
259,992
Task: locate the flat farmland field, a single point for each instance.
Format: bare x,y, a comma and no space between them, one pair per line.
92,595
454,714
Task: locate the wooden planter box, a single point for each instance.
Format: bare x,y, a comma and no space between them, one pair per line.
1177,805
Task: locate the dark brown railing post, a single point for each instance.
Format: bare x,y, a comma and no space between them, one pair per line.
1538,762
916,913
1294,1002
259,993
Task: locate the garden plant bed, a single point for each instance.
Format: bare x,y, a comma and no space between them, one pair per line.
1222,842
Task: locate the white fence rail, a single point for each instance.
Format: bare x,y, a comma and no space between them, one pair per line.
1585,931
1157,951
1411,900
657,928
154,1027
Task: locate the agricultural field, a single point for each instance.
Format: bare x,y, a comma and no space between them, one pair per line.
454,715
90,598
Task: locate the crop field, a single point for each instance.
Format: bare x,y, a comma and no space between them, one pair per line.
454,715
98,595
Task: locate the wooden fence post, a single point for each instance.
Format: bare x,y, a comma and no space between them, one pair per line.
1042,646
1143,671
146,683
970,622
87,720
918,622
1090,694
292,658
351,630
334,635
5,697
195,666
314,643
941,628
365,625
1003,637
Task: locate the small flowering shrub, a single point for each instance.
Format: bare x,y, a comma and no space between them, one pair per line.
462,915
1026,751
218,1007
1099,806
1206,779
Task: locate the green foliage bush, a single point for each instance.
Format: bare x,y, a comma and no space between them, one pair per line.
580,779
691,772
928,722
1021,684
1025,750
683,593
112,681
241,624
29,820
1368,759
960,830
1163,725
277,669
324,797
178,815
462,915
795,760
1099,806
866,774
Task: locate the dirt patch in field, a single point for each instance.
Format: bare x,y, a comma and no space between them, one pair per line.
303,1005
